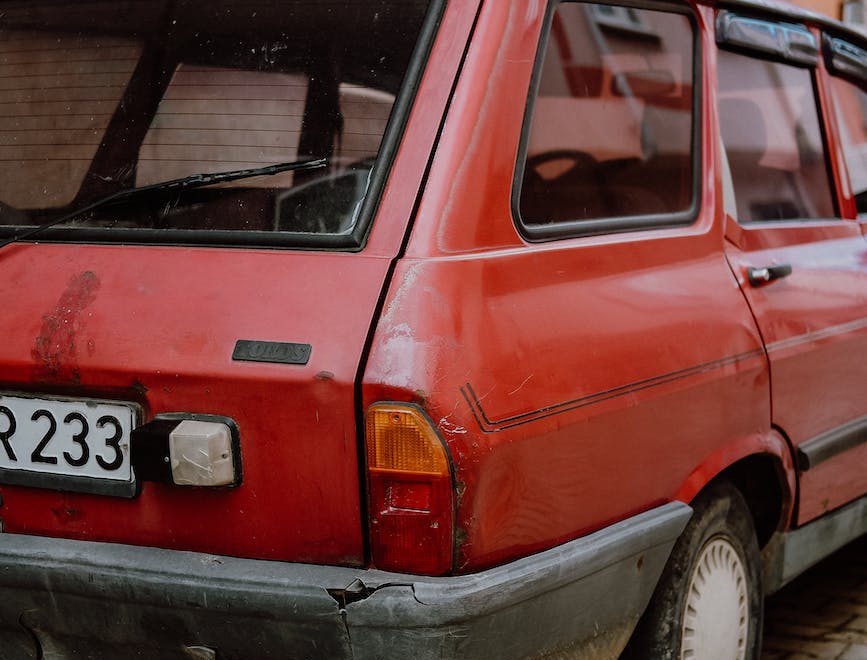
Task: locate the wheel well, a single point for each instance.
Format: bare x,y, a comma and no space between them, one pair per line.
761,481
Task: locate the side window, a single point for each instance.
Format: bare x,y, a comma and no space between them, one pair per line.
769,122
851,106
612,130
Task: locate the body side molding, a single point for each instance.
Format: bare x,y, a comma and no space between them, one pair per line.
832,443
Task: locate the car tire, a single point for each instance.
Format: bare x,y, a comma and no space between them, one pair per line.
708,604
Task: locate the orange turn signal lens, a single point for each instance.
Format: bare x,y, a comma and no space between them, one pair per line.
401,438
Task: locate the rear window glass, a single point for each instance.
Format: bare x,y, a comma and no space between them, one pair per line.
101,96
611,133
58,92
851,105
769,122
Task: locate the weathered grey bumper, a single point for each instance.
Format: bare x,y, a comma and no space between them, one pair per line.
74,599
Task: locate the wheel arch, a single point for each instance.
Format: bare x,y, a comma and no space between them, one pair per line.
762,468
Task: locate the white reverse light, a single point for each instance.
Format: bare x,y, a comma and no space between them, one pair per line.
201,454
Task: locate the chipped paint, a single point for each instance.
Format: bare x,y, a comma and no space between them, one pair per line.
404,288
451,429
400,351
55,350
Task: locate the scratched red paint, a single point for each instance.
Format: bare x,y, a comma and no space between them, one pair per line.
55,348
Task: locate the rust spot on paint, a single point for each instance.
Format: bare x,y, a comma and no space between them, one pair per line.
461,538
66,514
55,348
460,489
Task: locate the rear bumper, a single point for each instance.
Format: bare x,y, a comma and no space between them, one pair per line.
66,598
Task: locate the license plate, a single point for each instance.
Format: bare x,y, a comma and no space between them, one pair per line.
76,445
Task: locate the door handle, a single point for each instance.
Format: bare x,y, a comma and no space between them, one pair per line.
762,276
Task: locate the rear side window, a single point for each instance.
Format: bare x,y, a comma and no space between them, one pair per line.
611,143
109,95
851,105
769,122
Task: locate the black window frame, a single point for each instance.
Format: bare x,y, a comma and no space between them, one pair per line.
797,60
536,233
856,78
353,241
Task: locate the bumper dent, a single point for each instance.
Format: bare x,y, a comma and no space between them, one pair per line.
74,598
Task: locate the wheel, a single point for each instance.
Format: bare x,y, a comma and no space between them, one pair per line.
708,604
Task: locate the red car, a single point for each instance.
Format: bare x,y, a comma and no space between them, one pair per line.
415,328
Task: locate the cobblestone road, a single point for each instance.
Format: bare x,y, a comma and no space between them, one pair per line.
822,614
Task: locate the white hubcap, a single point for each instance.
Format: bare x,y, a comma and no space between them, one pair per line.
716,621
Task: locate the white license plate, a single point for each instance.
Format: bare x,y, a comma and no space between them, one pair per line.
78,445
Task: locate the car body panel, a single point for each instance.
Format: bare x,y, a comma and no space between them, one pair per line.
170,346
565,377
813,323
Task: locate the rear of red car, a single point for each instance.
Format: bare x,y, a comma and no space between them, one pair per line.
244,300
203,207
179,367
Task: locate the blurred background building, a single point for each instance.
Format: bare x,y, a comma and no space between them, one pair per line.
850,11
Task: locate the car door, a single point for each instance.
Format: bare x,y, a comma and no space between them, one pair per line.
802,267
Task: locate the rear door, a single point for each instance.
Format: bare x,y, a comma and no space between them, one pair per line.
802,268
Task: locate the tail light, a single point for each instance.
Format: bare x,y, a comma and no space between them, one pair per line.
410,494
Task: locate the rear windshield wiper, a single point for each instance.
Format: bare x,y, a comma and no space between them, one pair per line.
184,183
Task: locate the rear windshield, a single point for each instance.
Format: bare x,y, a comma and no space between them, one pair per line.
99,96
